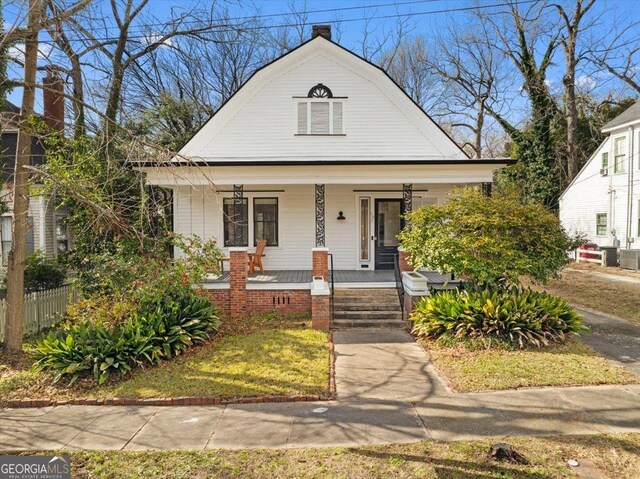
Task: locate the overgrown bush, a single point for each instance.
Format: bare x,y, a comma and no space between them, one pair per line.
159,330
487,240
518,318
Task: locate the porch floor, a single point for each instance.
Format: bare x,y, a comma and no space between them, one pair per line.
306,276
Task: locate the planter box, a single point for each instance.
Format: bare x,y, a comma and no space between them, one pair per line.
415,282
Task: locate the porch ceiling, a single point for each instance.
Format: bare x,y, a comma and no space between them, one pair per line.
365,173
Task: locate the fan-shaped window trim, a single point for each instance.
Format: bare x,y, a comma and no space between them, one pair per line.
320,91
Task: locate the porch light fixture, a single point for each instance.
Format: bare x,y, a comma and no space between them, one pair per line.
341,216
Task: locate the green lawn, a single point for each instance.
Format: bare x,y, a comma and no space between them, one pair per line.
272,361
617,456
272,355
568,364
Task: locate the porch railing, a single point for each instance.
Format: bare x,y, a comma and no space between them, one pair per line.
331,286
42,309
399,286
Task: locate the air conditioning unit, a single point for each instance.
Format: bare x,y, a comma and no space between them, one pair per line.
604,172
630,259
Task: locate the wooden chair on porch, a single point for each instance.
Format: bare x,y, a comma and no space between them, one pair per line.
255,259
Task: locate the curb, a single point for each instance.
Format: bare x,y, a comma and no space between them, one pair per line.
186,400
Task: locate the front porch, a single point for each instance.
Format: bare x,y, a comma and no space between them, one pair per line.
303,279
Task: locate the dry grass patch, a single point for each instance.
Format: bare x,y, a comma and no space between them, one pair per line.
618,456
621,299
568,364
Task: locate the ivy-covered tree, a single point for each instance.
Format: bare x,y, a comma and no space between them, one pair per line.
487,240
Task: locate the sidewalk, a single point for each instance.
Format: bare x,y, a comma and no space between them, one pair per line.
387,393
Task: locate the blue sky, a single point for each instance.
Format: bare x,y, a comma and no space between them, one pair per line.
424,17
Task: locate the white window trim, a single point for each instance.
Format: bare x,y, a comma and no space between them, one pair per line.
606,227
251,239
624,154
331,101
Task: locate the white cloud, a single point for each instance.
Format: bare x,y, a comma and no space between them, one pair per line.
17,51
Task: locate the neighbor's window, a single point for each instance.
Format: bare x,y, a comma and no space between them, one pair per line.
30,240
605,161
265,220
619,154
601,224
62,235
320,113
5,237
236,217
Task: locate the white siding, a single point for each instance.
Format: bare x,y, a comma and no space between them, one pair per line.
199,211
379,121
592,193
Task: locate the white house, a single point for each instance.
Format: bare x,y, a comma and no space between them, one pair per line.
319,148
603,200
47,221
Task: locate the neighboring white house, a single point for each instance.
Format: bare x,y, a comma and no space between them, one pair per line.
319,148
47,222
603,200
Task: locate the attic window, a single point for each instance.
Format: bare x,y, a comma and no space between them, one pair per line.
320,91
320,113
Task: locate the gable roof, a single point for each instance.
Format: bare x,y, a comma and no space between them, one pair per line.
185,150
629,115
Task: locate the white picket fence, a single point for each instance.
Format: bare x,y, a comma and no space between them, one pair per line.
42,309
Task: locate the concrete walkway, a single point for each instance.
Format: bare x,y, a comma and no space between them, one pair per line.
613,337
387,393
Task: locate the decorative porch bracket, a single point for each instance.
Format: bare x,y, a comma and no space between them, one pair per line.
486,189
238,193
320,236
407,200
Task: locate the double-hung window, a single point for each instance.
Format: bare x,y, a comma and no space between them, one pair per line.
265,220
619,154
601,224
320,113
605,163
236,221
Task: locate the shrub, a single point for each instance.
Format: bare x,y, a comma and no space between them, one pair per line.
519,318
157,331
487,240
105,310
40,273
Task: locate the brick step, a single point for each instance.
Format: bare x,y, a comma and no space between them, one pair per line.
367,306
381,324
359,293
367,315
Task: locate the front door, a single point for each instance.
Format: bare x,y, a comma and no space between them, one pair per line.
387,228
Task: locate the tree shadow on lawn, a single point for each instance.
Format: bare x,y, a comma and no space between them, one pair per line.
455,468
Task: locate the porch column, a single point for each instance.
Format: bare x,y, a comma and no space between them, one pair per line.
486,188
238,193
407,201
320,236
321,262
238,282
403,257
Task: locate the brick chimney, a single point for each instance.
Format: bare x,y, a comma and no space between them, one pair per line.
53,99
321,31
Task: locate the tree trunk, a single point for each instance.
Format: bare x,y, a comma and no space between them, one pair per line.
572,123
479,127
14,329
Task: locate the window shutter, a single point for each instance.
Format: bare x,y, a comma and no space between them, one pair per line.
302,118
337,118
320,118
